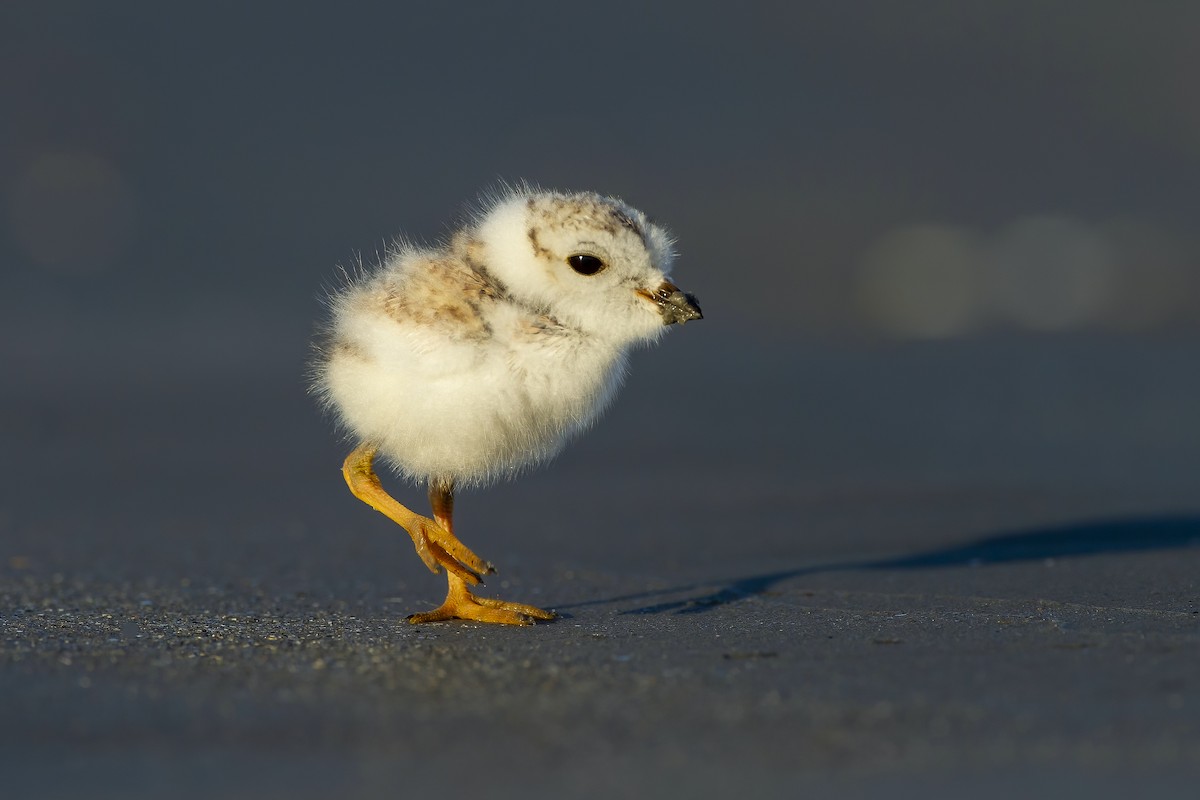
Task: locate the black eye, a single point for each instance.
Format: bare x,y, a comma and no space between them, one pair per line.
585,264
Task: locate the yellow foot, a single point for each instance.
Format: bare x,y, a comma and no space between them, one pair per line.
461,604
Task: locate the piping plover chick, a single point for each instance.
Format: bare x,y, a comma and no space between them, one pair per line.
464,363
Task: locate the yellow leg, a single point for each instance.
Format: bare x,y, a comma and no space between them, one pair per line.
435,544
460,603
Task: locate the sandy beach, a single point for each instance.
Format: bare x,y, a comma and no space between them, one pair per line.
838,589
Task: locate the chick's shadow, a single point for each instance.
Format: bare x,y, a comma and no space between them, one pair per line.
1070,541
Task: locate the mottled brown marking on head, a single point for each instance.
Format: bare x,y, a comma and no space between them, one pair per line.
538,250
580,212
628,222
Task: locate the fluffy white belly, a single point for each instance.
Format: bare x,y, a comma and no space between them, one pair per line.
473,412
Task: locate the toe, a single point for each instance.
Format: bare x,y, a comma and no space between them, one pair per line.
517,608
471,613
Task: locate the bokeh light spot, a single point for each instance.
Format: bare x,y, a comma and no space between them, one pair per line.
1053,273
922,281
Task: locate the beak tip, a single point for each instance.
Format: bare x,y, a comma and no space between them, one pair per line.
673,304
681,308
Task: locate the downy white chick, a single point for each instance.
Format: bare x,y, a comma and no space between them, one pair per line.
465,363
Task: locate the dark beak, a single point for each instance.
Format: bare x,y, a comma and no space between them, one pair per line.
674,305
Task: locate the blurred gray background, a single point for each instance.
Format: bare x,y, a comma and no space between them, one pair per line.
179,177
949,262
